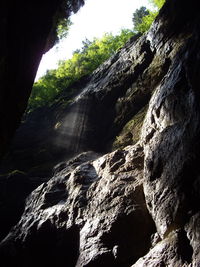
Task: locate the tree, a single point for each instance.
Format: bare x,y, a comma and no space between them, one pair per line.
143,18
138,16
63,28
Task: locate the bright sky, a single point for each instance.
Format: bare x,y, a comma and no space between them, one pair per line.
94,19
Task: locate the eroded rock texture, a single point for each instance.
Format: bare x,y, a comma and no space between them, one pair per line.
139,205
100,202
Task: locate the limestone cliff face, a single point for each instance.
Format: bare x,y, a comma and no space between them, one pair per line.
139,205
27,29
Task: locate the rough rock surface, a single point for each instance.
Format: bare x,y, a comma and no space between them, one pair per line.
27,29
96,201
108,98
137,206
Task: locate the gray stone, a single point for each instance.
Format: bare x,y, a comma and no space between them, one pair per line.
137,206
104,200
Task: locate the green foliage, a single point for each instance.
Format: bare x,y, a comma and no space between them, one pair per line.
143,18
44,90
63,28
83,62
157,3
138,16
146,22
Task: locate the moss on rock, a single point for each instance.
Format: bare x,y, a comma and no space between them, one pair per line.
130,133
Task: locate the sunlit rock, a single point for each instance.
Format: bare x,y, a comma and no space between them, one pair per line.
98,203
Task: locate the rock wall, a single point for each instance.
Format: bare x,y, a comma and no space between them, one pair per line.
139,205
27,30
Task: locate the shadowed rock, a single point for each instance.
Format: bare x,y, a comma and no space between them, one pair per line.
137,206
28,29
